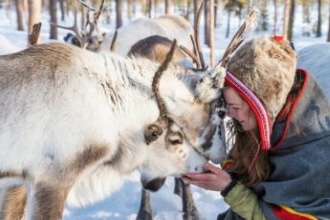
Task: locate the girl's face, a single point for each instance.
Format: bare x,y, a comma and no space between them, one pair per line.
239,110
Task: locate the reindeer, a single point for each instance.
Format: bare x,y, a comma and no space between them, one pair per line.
169,26
156,48
70,117
314,59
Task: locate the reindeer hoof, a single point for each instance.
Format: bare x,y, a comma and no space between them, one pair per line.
152,133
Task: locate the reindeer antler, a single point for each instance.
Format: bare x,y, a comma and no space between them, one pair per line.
113,41
156,129
197,54
238,37
214,80
196,40
156,79
93,25
84,38
74,28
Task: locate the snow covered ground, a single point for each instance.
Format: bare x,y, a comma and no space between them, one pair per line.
123,204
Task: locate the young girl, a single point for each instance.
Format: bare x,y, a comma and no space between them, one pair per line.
279,166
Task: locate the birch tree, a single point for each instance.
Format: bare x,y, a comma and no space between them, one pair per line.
34,16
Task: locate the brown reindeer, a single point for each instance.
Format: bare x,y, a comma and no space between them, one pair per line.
157,48
70,117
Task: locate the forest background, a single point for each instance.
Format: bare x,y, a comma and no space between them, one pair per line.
292,18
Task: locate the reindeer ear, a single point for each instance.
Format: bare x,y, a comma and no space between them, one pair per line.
152,133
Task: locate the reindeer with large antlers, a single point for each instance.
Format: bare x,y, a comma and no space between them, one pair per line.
153,48
86,38
156,48
70,117
169,26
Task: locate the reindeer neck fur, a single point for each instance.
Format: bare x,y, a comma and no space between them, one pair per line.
85,95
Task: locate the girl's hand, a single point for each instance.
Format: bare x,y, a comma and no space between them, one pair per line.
214,178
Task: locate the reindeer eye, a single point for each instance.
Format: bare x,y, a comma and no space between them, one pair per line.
175,139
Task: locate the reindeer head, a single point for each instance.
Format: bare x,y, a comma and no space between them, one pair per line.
175,135
84,38
179,154
207,105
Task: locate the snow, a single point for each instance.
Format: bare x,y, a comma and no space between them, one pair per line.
124,203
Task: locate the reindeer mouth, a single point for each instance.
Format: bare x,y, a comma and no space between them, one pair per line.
153,185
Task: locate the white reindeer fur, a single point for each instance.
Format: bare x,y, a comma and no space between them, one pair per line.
170,26
53,106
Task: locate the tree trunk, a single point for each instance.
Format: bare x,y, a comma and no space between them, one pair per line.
328,38
228,23
188,11
62,10
168,7
129,9
291,20
83,13
119,20
319,19
211,33
263,16
196,6
19,14
275,16
306,12
286,17
53,19
149,6
25,5
34,16
216,6
8,9
206,21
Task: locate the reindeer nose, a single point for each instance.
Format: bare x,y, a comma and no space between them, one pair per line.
198,169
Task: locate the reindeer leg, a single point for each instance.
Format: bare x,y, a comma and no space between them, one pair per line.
48,201
14,203
145,212
190,211
178,190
